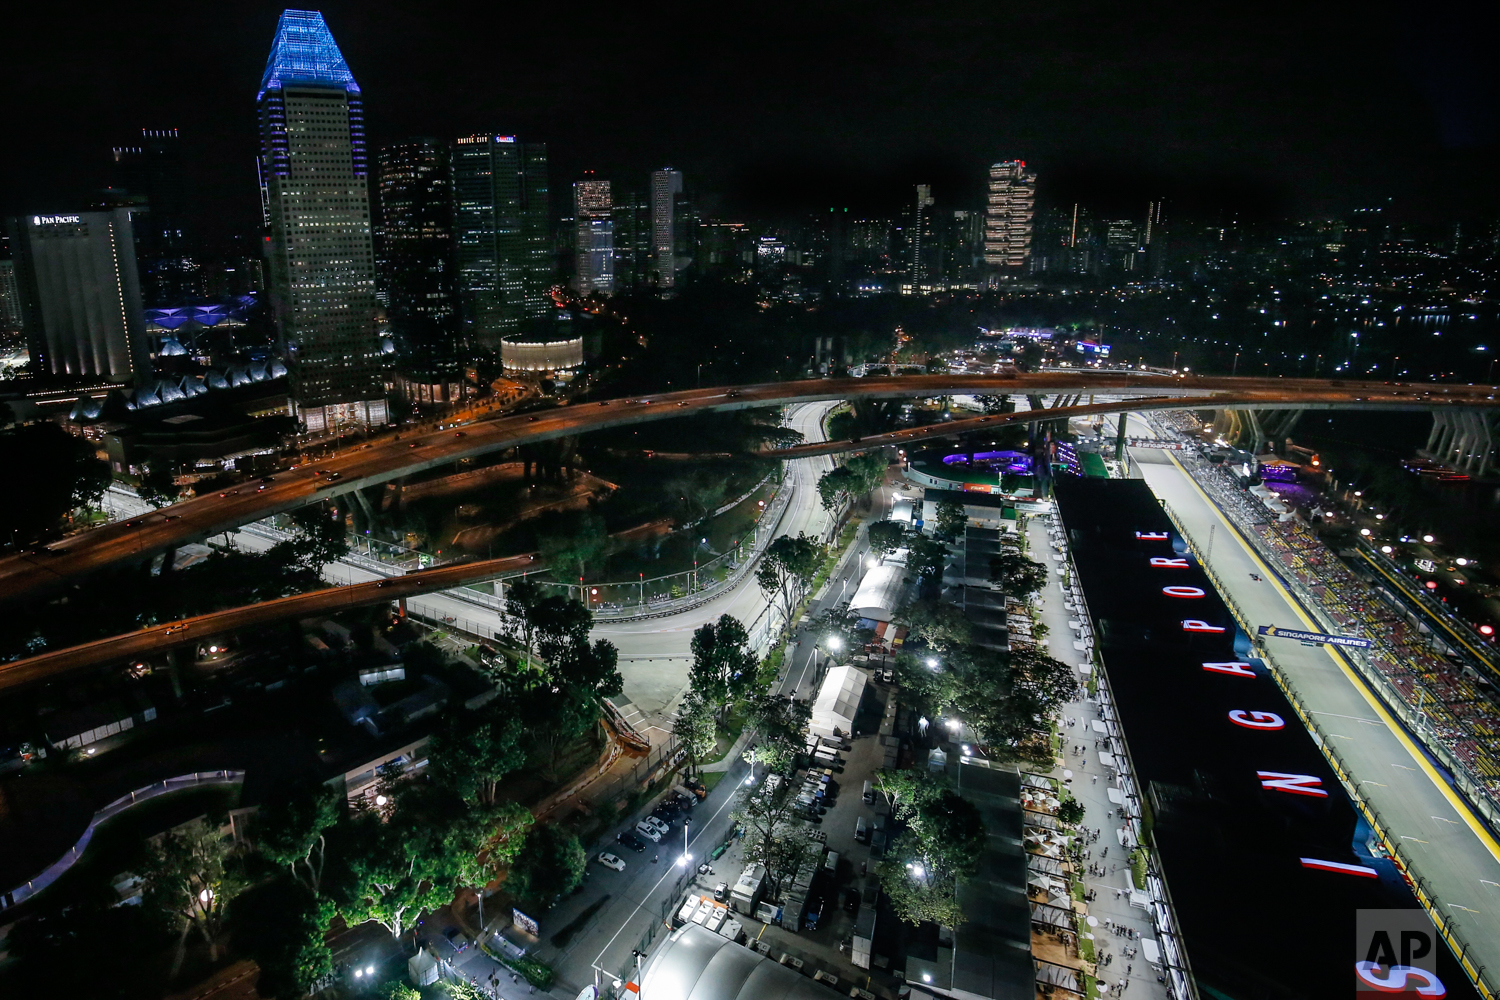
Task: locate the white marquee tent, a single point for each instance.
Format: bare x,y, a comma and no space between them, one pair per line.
838,701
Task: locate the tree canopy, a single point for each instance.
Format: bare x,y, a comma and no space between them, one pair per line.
886,536
571,541
57,473
951,519
787,566
724,666
1019,575
549,865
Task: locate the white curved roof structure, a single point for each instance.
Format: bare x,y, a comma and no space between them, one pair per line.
879,593
694,963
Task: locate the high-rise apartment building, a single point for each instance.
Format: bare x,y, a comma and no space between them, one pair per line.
80,295
1008,215
501,222
1155,238
416,221
666,189
594,246
922,243
1122,244
319,251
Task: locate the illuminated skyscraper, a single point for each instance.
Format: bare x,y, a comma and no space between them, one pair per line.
315,191
596,237
666,187
1008,215
921,242
501,229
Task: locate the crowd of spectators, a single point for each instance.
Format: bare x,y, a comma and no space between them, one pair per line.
1451,708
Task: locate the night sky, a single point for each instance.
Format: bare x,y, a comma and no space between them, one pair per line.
772,109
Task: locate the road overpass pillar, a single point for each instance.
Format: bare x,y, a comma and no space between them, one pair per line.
401,606
1120,440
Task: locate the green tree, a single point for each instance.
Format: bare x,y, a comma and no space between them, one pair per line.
158,484
996,404
724,667
885,537
395,989
283,926
838,621
787,566
549,866
191,877
61,474
951,519
470,755
698,493
1019,575
942,626
925,557
837,487
522,598
1071,812
918,897
780,729
869,469
695,728
291,831
571,541
940,847
321,538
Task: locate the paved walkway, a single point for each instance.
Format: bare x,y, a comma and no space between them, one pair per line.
1091,785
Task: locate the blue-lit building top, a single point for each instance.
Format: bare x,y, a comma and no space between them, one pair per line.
304,54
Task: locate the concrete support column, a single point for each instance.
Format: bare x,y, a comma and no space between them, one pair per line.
1439,423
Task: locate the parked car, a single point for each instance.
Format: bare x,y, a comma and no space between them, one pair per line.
610,861
648,831
631,841
660,826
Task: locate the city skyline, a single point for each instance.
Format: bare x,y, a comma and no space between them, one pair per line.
1181,133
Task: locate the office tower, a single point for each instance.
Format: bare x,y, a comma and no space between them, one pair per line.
149,174
666,188
315,190
416,222
1008,215
594,248
80,295
631,215
500,229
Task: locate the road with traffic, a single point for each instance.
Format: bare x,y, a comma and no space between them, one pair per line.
396,455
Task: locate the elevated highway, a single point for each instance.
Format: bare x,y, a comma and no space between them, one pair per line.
397,455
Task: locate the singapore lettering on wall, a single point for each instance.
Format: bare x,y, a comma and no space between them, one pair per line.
1387,977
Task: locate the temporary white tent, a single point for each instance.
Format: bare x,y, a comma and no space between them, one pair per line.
838,701
879,593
